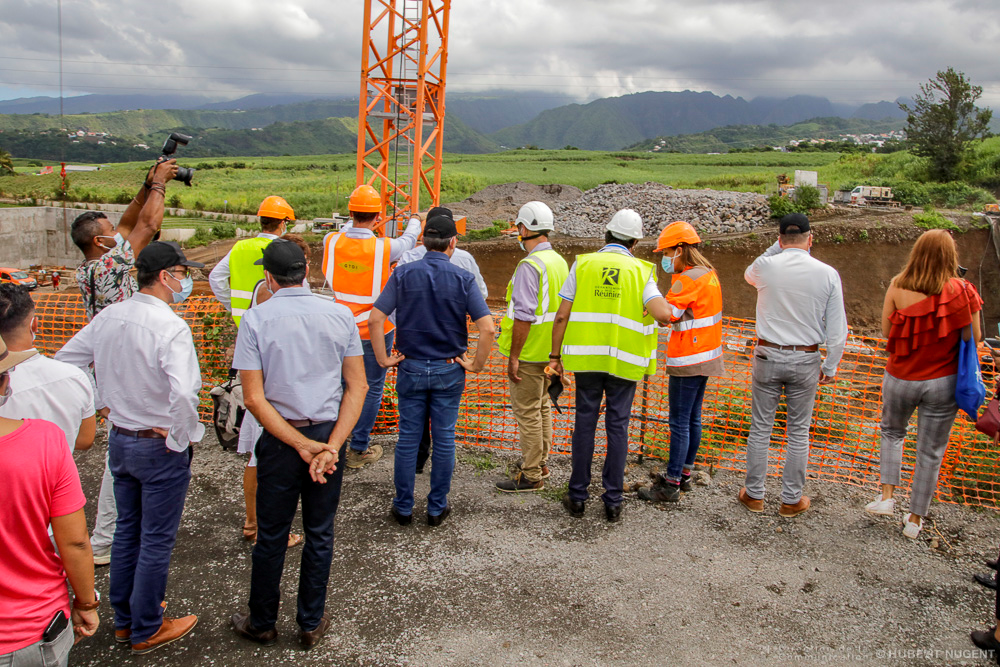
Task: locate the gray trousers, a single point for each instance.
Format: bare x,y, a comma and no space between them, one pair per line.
934,401
42,654
796,375
107,514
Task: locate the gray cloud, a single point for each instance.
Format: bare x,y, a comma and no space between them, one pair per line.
851,51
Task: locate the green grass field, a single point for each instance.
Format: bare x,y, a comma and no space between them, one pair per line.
318,185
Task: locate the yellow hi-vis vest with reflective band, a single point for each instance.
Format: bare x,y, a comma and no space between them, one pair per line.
552,271
244,274
357,270
607,331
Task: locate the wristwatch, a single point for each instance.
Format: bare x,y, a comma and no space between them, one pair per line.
88,606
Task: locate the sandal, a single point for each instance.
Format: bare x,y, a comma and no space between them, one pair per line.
294,540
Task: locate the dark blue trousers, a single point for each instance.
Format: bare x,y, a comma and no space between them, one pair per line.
685,397
590,389
282,478
151,484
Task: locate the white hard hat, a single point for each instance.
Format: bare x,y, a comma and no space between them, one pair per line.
536,216
626,223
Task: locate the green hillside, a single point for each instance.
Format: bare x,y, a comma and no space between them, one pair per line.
722,139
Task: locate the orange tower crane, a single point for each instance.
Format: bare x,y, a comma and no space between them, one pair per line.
401,111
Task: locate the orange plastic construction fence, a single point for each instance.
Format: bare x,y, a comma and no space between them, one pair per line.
844,434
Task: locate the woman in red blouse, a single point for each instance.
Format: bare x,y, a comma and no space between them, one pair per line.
927,310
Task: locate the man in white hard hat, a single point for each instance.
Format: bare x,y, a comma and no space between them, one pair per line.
605,333
526,338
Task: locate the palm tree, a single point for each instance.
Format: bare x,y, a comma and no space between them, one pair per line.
6,163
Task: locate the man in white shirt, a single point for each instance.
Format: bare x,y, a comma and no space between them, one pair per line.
800,306
148,376
44,388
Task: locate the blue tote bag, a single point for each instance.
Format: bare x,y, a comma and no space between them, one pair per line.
970,392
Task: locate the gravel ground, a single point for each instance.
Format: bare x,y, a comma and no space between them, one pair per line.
514,579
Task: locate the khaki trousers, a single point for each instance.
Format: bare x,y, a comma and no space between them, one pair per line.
530,400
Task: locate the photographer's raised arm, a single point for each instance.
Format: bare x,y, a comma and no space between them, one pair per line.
149,217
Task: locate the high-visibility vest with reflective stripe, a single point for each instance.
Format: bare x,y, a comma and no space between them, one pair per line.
357,270
552,271
607,331
696,315
244,274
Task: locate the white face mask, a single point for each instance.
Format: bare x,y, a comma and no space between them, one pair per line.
117,238
6,393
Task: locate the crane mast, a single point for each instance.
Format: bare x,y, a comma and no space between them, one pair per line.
401,109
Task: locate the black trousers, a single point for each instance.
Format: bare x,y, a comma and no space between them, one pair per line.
282,478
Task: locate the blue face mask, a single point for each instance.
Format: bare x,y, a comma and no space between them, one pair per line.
187,286
667,264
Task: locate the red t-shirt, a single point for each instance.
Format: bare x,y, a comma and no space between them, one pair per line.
923,339
38,481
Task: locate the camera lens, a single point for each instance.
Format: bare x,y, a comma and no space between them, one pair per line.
184,175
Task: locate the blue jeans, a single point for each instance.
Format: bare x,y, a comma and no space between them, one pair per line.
375,375
151,484
685,397
427,389
590,389
282,477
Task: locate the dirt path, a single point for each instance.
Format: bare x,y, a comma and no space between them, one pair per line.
515,580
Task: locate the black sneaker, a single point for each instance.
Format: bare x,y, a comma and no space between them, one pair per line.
686,483
661,493
520,484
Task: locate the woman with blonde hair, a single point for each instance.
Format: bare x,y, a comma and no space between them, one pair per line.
927,311
694,352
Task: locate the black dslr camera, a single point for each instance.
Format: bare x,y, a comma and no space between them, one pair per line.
184,174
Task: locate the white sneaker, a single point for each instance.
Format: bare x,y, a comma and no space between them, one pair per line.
910,529
881,507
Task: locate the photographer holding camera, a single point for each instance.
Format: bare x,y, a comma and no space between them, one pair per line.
109,252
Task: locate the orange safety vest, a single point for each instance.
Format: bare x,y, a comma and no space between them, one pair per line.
357,270
695,300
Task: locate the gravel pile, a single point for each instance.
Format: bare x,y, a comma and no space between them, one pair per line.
502,201
710,211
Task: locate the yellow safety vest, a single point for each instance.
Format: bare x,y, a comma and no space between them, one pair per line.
244,274
607,330
552,271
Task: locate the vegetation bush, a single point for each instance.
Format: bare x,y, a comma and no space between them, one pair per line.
224,230
491,232
807,198
931,219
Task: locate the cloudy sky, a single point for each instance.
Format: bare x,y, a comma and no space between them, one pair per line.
847,50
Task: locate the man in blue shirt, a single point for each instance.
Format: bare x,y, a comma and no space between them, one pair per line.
292,352
431,299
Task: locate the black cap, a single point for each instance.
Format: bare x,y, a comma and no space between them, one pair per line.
282,257
794,223
160,255
440,227
440,210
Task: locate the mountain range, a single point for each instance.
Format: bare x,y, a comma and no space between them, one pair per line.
476,122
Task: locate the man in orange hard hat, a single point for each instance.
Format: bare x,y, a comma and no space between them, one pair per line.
356,265
234,277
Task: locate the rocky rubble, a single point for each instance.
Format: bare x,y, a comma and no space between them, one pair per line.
710,211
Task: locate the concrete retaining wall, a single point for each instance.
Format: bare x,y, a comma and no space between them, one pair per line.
40,235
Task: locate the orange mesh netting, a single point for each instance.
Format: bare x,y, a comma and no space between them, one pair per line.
845,430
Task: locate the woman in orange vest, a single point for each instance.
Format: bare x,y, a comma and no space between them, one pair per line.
694,352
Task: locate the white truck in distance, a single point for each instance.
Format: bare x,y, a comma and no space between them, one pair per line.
869,195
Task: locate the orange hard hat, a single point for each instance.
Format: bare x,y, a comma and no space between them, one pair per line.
276,207
675,234
365,199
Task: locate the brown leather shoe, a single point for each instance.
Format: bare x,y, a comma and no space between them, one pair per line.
123,636
241,624
798,508
751,504
545,472
171,630
310,638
